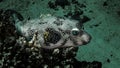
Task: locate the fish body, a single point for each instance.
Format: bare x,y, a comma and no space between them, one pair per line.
60,25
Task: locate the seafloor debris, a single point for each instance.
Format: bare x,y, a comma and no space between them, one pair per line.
51,5
7,23
61,3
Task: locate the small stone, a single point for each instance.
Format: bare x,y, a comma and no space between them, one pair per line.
105,4
108,60
45,66
56,51
57,67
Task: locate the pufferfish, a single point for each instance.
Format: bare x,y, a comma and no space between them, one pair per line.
52,32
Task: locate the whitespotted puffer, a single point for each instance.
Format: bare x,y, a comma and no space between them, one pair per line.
52,32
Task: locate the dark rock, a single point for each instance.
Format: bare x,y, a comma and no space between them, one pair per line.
6,14
84,64
108,12
108,60
95,3
1,0
84,19
19,16
75,2
115,5
33,2
118,12
111,55
68,14
77,14
82,5
62,3
95,25
7,21
51,5
105,3
28,18
91,11
78,4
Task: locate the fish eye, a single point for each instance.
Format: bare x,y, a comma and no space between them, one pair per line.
75,31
